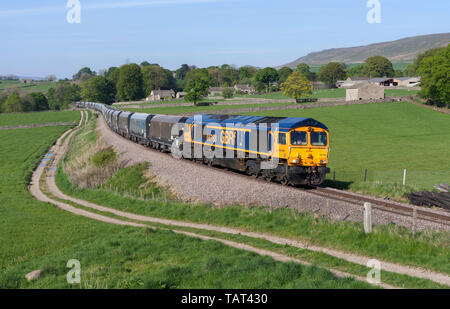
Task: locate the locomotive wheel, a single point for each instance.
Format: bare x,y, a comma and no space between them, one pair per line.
284,181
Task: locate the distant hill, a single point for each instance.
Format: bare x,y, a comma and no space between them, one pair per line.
397,51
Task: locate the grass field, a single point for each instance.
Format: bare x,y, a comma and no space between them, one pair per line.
384,138
199,109
15,119
36,235
36,86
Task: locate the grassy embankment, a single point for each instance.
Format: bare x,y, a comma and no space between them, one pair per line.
36,235
131,191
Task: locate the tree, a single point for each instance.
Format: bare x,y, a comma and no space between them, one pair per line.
284,73
356,70
216,76
40,101
63,94
331,73
303,68
182,72
228,93
306,71
378,66
265,77
112,74
230,75
129,85
412,68
434,70
13,104
98,89
246,74
154,78
84,74
297,86
198,82
145,64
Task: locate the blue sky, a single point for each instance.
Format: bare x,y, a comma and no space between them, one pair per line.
37,40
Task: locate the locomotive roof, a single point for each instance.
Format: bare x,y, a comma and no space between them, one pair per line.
284,123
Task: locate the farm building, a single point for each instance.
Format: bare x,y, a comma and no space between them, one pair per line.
160,95
215,90
26,80
247,89
383,81
350,82
181,95
407,81
365,91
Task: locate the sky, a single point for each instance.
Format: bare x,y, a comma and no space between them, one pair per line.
36,38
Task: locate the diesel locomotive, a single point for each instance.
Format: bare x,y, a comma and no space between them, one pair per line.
292,151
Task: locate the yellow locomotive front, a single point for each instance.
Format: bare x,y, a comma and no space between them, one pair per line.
305,150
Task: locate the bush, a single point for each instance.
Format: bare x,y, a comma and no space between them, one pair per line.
103,157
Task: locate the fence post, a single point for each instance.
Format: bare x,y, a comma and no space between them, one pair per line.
365,175
367,218
404,176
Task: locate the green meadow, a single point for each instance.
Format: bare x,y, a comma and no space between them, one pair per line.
15,119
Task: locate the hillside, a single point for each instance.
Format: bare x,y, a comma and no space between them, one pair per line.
397,51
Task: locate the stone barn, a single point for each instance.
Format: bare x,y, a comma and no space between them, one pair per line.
161,95
365,92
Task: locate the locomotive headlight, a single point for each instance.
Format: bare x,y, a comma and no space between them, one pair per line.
296,161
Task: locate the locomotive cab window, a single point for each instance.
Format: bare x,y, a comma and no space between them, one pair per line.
319,139
299,138
282,138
